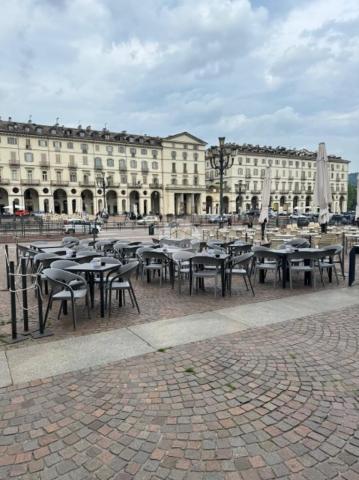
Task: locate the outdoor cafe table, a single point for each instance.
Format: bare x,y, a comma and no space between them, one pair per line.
283,255
91,270
48,245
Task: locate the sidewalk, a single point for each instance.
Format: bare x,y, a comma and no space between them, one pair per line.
58,357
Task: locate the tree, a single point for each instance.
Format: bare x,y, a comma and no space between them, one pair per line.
352,197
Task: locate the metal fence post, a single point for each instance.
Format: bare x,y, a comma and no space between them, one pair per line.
24,294
7,266
13,301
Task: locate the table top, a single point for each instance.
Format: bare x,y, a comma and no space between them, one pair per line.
91,267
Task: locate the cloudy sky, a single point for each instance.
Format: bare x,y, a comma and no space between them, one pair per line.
272,72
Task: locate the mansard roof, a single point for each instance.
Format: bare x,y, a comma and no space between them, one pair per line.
268,151
78,133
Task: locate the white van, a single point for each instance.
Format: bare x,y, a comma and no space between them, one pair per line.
74,225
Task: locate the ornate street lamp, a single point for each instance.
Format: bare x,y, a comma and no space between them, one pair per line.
221,160
103,183
240,191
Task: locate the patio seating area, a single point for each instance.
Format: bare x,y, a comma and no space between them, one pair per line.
119,282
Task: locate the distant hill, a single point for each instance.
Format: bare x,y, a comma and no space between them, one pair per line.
352,178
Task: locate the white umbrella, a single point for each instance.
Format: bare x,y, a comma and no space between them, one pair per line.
357,207
322,191
264,215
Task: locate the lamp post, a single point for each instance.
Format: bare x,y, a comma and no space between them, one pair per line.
220,160
103,184
239,193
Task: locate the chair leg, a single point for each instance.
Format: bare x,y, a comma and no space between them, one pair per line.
250,283
321,276
88,306
134,297
335,273
73,313
290,277
60,310
49,303
109,301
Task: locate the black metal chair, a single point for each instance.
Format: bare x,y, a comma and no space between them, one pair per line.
66,286
327,262
181,262
121,282
155,262
205,266
266,260
239,266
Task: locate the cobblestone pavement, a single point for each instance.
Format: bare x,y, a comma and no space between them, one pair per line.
155,302
279,402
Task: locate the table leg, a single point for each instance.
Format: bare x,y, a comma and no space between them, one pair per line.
92,289
351,266
330,271
223,271
102,296
190,277
284,272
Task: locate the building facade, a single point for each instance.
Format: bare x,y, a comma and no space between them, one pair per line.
56,169
293,178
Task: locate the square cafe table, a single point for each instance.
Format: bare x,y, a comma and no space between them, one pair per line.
91,269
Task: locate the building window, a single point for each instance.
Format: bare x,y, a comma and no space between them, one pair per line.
185,181
110,162
123,178
29,157
44,175
195,156
195,180
70,145
98,162
109,149
184,155
240,171
143,151
173,168
144,165
84,147
195,168
122,164
42,143
144,180
73,176
133,151
12,156
240,160
14,175
185,146
154,153
28,144
174,181
173,155
121,149
86,178
133,178
155,180
133,164
12,140
97,147
58,158
57,144
58,175
248,160
155,165
85,160
29,175
185,167
110,180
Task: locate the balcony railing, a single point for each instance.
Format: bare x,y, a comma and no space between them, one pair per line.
87,184
30,182
14,162
155,185
44,163
123,169
255,192
135,185
72,164
59,183
4,181
98,167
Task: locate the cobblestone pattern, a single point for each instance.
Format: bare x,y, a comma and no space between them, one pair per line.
279,402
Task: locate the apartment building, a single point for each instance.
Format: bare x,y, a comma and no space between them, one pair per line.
293,177
60,169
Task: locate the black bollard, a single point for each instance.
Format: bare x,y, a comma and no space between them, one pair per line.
7,266
13,300
39,307
24,294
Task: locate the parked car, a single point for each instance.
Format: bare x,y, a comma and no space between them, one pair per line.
74,225
303,221
148,220
218,219
22,213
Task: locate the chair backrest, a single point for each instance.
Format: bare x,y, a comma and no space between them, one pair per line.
62,278
298,243
242,260
62,264
87,252
206,260
44,256
152,254
125,271
337,248
264,252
